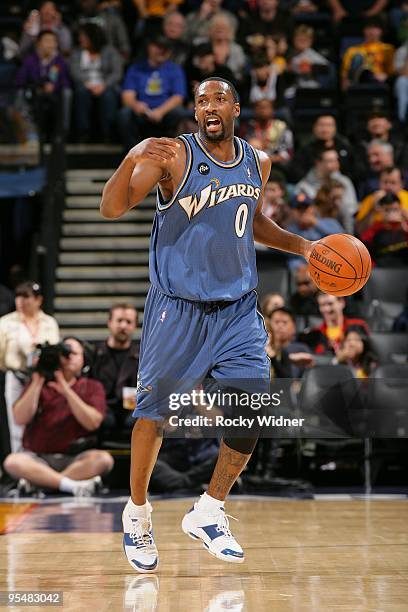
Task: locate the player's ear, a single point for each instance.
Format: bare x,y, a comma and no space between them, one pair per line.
237,110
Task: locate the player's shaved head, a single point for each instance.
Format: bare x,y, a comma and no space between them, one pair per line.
224,85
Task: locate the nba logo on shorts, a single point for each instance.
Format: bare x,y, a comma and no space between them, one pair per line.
163,316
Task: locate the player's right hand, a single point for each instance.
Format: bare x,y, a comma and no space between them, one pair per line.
160,150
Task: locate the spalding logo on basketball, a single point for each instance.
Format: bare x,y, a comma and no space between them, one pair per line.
340,264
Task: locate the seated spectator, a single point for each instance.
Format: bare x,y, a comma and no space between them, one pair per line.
390,181
326,166
379,128
267,19
20,333
174,27
288,357
184,465
110,21
201,66
45,73
310,68
387,239
356,351
329,204
380,156
306,223
275,205
270,302
221,35
263,79
356,8
327,337
198,22
401,84
115,365
275,47
269,134
324,136
96,70
153,92
60,416
371,61
304,300
47,18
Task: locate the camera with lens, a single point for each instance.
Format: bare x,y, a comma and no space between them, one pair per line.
49,358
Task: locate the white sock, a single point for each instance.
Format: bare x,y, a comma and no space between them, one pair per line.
206,501
67,484
139,511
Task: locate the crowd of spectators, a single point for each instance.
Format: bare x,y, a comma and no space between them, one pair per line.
122,71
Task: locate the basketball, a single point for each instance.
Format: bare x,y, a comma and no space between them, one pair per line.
340,264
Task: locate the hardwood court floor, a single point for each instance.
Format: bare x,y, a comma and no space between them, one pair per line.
301,555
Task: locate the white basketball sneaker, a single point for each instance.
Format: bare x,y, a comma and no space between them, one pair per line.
211,526
138,542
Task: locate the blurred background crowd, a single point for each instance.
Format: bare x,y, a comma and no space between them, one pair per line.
324,91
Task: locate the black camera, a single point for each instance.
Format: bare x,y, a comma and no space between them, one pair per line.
49,358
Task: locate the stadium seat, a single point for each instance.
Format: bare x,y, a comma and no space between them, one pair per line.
327,397
387,405
272,279
388,284
390,347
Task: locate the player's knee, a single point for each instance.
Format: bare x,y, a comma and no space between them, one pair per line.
241,445
12,464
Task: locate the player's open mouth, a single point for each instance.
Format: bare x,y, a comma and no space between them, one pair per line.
212,124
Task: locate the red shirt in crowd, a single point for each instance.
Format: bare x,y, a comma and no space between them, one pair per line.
318,337
54,427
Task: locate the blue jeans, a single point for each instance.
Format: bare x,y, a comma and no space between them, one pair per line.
106,103
134,127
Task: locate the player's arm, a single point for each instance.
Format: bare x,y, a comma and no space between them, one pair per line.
267,232
143,167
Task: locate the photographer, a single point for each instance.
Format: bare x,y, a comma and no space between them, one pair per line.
20,332
59,416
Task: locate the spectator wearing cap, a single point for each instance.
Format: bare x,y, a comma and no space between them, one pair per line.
96,70
372,60
390,182
327,166
387,239
327,337
152,94
20,333
306,223
324,136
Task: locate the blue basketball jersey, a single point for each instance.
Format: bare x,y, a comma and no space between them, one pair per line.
202,246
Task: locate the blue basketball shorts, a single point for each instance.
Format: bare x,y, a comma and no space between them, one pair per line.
184,342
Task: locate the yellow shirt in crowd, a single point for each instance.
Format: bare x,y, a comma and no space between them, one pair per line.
367,205
378,58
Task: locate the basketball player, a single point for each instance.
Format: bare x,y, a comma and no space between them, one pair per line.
200,314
